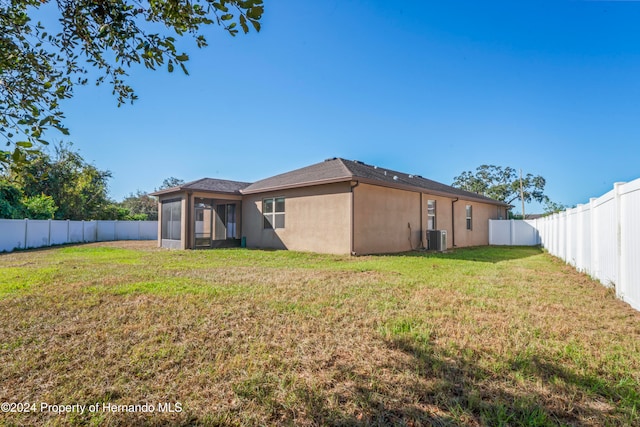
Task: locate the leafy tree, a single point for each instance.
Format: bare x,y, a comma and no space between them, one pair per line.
14,205
141,206
113,211
10,200
170,182
39,67
64,186
553,207
502,184
39,207
138,217
78,189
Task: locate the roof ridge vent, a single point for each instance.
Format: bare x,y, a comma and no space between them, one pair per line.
410,176
375,167
330,159
395,177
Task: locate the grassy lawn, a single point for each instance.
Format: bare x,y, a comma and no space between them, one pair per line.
481,336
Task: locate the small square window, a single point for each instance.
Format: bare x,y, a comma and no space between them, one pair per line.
273,212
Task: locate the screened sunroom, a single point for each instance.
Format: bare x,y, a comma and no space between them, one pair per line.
201,214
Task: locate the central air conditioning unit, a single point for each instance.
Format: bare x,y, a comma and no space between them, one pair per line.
437,240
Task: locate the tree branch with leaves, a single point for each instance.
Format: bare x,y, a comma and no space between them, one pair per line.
38,69
503,184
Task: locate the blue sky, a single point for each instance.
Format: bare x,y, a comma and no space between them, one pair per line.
425,87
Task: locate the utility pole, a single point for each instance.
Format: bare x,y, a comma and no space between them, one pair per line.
522,194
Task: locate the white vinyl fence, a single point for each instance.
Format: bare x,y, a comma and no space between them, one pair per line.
513,232
32,233
601,238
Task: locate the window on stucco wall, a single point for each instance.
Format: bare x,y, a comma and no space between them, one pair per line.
273,211
431,214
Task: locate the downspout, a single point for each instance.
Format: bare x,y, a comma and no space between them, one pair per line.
453,224
353,217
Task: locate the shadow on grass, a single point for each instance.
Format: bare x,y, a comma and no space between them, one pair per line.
492,254
425,387
455,390
40,249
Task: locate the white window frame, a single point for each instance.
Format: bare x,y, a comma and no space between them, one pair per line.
431,213
275,219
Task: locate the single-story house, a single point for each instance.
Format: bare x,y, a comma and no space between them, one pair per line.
336,206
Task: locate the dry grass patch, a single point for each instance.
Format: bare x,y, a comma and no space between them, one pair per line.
483,336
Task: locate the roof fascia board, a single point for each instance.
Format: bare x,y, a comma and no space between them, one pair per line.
167,191
216,195
192,190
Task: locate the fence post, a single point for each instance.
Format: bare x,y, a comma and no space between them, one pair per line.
593,226
68,231
619,285
26,232
565,247
579,237
565,255
555,234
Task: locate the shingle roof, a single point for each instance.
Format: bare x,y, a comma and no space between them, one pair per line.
321,173
209,185
338,170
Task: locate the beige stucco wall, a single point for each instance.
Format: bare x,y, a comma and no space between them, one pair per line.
481,214
385,219
391,220
317,219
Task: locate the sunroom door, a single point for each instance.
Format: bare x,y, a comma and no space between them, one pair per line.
203,223
231,221
221,222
